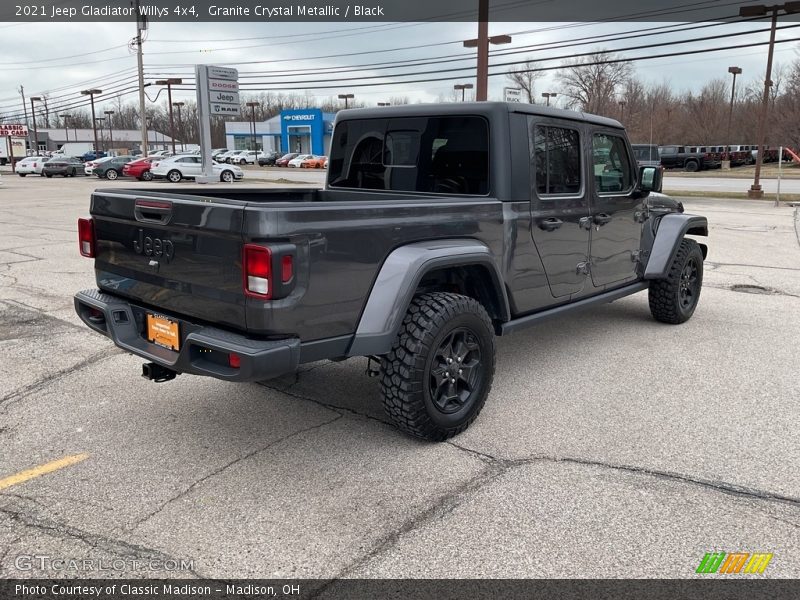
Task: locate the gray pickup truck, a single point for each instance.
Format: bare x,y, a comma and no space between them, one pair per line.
439,228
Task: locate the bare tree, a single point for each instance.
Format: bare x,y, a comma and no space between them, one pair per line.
590,83
525,76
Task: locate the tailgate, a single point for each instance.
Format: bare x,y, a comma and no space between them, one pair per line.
179,253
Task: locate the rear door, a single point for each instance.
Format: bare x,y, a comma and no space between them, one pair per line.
559,204
181,254
616,213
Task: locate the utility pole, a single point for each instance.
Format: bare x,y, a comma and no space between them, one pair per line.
760,10
178,105
482,44
110,129
91,93
25,108
252,107
169,83
141,25
35,132
65,116
621,110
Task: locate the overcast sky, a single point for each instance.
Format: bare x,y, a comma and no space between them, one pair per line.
58,58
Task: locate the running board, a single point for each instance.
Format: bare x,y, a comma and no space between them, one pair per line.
604,298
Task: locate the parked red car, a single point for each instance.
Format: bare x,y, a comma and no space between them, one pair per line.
284,160
139,169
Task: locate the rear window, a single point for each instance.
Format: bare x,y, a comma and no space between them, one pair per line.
445,155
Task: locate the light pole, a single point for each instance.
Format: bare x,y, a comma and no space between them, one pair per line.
92,93
463,87
35,132
66,126
252,107
110,129
101,119
178,105
733,71
346,97
169,83
548,95
759,10
482,44
621,110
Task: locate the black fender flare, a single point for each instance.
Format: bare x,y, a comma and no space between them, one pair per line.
398,279
671,230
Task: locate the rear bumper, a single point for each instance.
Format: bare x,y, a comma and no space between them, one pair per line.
259,359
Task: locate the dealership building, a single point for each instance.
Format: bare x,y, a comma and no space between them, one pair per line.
305,130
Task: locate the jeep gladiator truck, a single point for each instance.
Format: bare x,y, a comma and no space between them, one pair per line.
439,228
688,158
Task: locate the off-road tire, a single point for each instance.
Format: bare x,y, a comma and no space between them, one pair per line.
691,166
667,304
406,378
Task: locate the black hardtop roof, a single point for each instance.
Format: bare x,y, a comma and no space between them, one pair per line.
488,109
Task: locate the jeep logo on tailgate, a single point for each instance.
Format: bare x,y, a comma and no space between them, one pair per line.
153,246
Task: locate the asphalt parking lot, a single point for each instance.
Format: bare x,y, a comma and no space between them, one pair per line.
611,445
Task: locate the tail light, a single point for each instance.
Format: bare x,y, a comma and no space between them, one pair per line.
234,360
257,269
287,268
86,239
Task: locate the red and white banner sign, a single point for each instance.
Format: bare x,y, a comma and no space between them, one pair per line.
14,130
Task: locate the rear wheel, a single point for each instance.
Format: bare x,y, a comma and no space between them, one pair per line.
22,174
174,176
674,299
438,374
226,176
48,175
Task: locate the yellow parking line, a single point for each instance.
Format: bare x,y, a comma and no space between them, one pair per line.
44,469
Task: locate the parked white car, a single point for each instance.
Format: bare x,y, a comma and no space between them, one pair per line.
88,167
246,157
188,167
223,158
297,161
31,165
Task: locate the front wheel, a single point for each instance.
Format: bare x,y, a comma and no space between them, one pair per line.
691,166
111,175
438,374
22,174
174,176
674,299
48,175
147,176
226,176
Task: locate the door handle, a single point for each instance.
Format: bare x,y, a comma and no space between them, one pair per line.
585,223
602,219
551,224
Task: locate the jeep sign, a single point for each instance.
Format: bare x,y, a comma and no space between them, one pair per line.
225,97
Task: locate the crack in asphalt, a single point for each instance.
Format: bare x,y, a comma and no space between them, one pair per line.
113,546
29,389
716,485
715,265
440,508
227,466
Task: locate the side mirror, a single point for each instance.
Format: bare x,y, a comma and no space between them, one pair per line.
650,179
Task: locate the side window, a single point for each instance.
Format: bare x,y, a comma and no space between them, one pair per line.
612,165
555,159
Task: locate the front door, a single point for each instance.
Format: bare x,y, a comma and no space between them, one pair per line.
559,204
616,211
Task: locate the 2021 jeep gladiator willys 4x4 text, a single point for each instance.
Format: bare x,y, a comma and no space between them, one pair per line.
440,227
